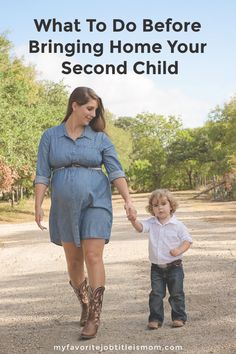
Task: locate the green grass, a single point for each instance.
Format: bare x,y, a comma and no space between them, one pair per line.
22,212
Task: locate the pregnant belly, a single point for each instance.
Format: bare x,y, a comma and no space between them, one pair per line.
70,184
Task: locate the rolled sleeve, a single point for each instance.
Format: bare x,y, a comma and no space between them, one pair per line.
115,174
184,234
42,179
146,225
43,170
110,160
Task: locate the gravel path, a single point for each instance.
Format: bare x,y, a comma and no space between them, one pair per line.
39,312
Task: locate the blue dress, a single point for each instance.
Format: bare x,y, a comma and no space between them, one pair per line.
81,205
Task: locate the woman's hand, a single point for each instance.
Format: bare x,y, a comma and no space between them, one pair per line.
39,214
121,184
130,211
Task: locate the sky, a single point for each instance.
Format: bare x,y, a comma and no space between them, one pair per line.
204,81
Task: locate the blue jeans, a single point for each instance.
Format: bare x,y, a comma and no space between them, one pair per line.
172,278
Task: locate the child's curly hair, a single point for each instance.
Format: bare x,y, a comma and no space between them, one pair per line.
157,195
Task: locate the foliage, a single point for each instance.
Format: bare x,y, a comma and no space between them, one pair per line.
154,150
6,177
139,173
164,154
222,129
27,107
122,140
190,152
151,134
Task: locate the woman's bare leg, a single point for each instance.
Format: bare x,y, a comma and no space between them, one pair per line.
93,255
75,263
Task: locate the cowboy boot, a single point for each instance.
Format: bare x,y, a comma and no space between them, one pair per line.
83,296
95,307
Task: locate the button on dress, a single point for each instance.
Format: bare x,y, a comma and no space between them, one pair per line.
81,205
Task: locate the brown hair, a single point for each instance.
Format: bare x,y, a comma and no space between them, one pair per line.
158,194
82,95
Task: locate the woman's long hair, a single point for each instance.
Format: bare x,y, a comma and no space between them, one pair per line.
82,95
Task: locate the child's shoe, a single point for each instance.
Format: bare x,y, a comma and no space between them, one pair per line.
177,323
153,325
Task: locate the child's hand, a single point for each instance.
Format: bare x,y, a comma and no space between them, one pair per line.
132,217
175,252
181,249
130,211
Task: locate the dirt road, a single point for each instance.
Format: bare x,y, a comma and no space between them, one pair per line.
39,312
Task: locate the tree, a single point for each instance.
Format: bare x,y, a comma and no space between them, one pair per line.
190,152
222,126
151,135
121,138
6,176
27,108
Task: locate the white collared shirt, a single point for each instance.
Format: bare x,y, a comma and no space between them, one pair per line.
164,237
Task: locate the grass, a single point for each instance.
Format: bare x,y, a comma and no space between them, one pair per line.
22,212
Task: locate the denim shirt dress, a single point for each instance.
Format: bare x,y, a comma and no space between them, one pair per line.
81,205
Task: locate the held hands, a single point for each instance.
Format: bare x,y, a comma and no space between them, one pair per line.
39,217
175,252
130,211
132,216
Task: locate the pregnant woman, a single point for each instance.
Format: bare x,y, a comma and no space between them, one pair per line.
70,159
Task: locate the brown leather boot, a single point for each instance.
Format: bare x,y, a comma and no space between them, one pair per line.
83,296
95,307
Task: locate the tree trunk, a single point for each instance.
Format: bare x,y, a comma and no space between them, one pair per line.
21,192
190,181
12,198
17,194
